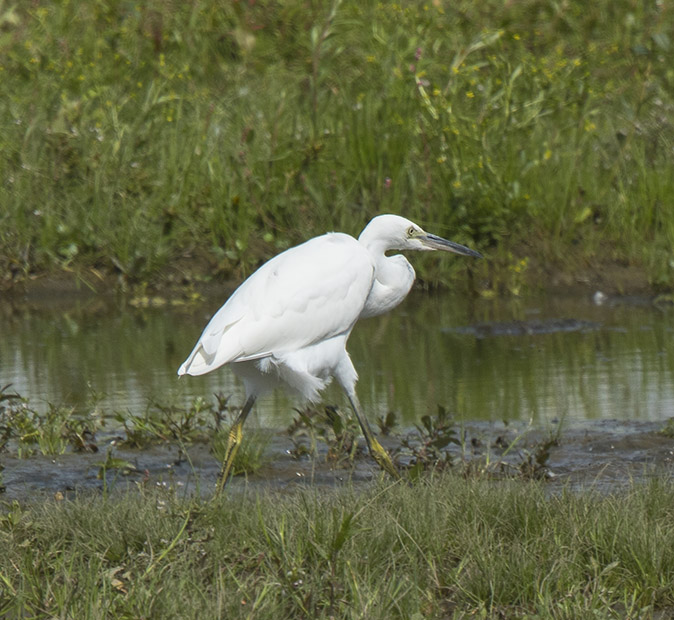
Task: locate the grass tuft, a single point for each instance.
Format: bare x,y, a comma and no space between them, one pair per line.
445,547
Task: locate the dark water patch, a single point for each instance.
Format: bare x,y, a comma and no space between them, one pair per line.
524,328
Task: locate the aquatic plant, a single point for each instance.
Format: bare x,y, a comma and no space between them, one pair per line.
668,429
426,446
336,430
49,432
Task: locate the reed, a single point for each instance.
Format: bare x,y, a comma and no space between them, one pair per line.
137,137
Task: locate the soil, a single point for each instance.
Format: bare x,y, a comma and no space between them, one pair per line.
187,276
604,456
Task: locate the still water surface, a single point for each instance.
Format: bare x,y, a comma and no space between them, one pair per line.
543,360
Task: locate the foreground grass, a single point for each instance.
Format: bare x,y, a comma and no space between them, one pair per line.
445,547
138,133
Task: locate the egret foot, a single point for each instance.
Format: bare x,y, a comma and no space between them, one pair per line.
376,450
383,459
233,443
294,315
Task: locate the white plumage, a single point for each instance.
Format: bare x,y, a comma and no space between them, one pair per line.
289,322
302,302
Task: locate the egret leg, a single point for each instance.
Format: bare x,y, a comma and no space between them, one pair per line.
233,443
377,451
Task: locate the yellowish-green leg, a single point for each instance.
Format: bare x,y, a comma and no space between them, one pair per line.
377,451
233,443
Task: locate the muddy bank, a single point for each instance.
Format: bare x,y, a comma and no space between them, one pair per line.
604,456
185,277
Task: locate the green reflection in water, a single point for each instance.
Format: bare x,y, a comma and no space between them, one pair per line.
421,355
620,367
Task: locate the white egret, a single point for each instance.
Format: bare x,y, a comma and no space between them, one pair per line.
288,323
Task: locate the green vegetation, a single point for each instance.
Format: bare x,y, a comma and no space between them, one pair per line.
474,534
50,433
252,454
444,548
139,135
26,432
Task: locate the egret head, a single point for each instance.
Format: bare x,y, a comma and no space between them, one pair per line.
393,232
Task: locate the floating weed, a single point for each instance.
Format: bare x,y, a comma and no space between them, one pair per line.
114,464
302,433
200,422
6,396
167,423
50,431
426,446
534,463
216,418
387,423
432,446
81,438
142,430
341,437
221,411
9,401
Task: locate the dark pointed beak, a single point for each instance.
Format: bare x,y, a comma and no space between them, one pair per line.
438,243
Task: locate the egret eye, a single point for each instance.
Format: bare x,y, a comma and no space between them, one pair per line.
288,330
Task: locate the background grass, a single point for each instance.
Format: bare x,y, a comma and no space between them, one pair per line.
137,134
445,548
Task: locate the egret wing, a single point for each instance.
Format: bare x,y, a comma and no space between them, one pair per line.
307,294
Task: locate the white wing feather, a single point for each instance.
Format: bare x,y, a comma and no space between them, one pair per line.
304,295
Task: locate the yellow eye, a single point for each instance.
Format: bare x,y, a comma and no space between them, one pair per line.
411,232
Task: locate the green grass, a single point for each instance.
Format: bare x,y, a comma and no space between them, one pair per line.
138,134
467,538
444,548
25,431
251,455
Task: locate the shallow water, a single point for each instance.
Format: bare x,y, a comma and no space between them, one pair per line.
601,375
543,360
